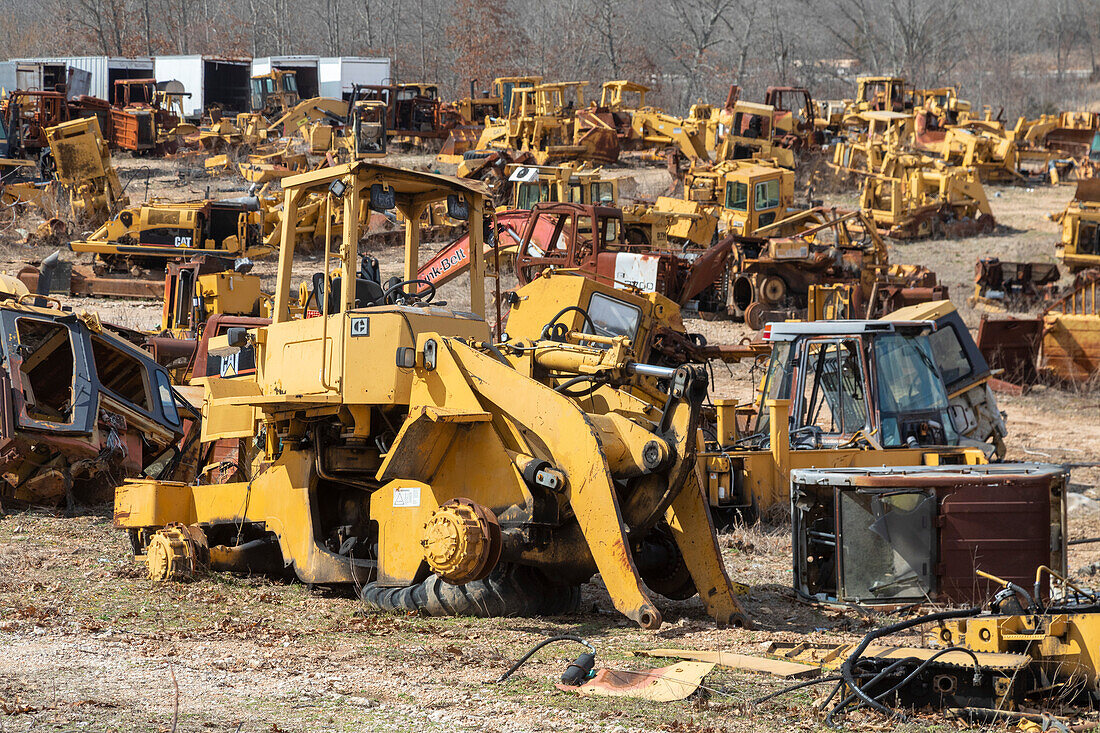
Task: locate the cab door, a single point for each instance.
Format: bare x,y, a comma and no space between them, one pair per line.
52,379
831,400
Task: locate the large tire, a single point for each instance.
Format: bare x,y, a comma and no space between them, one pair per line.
510,590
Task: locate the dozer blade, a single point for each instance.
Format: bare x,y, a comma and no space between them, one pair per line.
461,140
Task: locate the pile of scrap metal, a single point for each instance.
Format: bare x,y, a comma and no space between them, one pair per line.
835,263
83,186
1062,344
1012,658
780,253
334,129
1014,285
139,119
81,408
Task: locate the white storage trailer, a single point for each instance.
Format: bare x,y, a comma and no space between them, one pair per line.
93,75
340,74
305,70
210,80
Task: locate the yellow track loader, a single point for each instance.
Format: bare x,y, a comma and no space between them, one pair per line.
403,451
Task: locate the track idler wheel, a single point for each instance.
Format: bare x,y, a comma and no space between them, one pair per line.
755,314
175,552
461,541
509,590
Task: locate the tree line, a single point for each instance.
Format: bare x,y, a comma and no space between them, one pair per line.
1028,56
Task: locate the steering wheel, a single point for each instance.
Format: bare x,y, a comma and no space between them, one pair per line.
390,297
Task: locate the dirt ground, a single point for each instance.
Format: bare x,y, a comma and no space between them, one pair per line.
88,643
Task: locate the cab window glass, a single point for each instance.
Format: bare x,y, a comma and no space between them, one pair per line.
612,317
766,195
737,196
528,195
121,373
603,193
833,389
949,354
166,399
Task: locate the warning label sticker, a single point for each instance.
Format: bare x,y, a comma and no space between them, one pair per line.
406,496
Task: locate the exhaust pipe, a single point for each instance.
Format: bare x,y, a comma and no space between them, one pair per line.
46,270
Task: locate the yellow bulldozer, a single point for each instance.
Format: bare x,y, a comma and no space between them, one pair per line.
747,195
1079,247
404,452
541,121
912,196
274,93
474,112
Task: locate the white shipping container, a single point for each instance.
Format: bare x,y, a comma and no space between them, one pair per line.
209,79
103,71
339,74
305,70
7,75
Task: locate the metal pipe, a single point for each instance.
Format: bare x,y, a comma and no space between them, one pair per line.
651,370
328,288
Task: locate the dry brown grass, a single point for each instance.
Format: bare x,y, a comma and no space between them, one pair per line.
87,642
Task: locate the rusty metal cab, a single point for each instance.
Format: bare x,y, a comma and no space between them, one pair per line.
589,239
900,535
81,409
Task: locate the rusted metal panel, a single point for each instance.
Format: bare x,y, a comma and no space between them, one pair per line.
1011,344
133,130
1071,346
706,270
1004,529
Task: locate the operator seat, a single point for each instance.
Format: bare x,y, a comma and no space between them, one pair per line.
367,292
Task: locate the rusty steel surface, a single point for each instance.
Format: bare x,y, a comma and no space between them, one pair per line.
84,282
1011,344
1004,529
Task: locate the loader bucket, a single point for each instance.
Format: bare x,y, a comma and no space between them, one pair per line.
461,140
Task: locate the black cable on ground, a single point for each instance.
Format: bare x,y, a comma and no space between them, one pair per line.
846,667
792,688
540,645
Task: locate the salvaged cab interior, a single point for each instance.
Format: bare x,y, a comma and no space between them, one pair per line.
894,536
